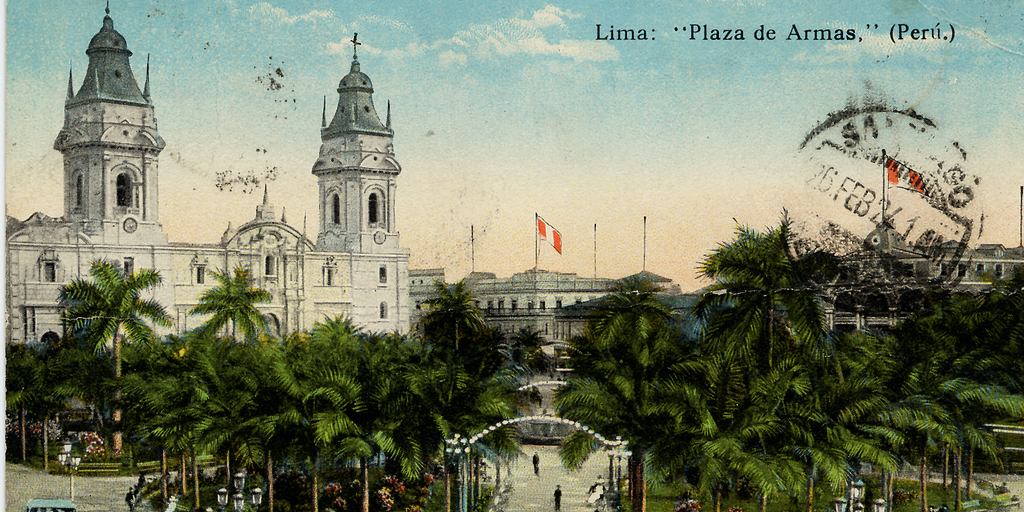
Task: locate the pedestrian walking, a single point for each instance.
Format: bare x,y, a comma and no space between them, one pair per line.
536,464
558,497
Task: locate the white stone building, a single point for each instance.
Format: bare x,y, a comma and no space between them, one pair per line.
111,146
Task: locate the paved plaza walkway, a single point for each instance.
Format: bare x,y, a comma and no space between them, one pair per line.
535,493
92,494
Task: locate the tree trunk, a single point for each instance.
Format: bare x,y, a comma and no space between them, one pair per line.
195,477
163,478
227,467
316,485
762,503
970,471
364,472
639,486
117,393
46,444
810,487
956,479
24,433
447,486
184,476
270,480
718,499
923,477
888,492
945,466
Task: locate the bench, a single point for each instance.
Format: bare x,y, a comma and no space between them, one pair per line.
1006,500
89,468
148,467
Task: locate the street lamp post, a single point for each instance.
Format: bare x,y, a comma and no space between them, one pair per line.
71,462
238,499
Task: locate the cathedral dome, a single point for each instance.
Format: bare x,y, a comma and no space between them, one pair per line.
355,79
108,38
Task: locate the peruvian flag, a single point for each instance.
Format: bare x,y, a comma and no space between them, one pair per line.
550,234
892,170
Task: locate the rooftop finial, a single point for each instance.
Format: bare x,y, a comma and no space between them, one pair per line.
389,115
266,196
145,90
355,43
108,7
323,116
71,86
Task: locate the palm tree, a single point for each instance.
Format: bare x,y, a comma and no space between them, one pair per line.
111,310
233,301
622,368
452,316
764,295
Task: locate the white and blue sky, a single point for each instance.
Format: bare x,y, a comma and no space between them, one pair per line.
504,110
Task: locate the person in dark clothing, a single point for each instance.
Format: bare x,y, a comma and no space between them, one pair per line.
558,497
536,464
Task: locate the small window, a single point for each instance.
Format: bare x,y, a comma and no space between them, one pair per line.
944,269
515,304
79,191
543,306
961,270
124,190
383,310
980,268
29,322
335,209
501,304
418,305
328,276
200,274
129,266
383,275
269,267
999,271
529,305
373,207
50,271
558,304
490,304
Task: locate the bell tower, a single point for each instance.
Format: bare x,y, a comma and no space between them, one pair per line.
357,171
110,146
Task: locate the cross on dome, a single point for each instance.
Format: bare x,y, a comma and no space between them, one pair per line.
355,44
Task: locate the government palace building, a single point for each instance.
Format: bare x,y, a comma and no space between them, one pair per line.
111,150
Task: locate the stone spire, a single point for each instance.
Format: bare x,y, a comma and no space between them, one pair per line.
145,90
355,112
71,85
265,211
388,124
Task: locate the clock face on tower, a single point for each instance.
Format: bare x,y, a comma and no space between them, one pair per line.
379,237
130,225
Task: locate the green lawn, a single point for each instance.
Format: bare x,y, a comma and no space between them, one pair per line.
662,498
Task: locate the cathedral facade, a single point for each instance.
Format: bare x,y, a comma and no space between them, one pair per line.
111,145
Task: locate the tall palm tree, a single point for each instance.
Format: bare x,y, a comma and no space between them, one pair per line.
233,301
111,310
452,315
622,366
764,295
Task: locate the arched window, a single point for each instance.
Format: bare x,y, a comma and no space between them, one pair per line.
79,191
269,270
374,209
383,310
335,209
124,190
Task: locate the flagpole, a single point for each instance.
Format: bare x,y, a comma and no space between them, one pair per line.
885,186
644,267
595,250
1021,243
536,241
472,250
